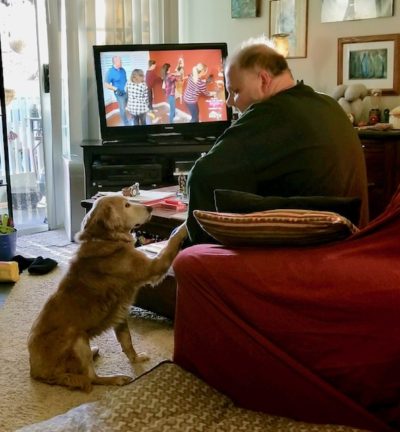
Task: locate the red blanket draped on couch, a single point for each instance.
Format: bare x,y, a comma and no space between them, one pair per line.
310,333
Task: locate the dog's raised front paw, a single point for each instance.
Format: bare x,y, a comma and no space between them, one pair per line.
181,232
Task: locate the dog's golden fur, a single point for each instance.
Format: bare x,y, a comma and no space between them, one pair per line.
94,295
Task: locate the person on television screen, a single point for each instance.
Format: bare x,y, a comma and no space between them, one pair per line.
288,141
196,86
169,80
151,80
180,79
116,81
138,98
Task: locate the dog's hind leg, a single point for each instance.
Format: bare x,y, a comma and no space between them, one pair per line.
85,353
83,382
117,380
73,381
124,338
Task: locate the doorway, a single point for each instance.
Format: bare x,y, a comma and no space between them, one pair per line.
25,138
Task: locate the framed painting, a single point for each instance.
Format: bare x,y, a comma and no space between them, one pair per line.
290,17
245,8
346,10
370,60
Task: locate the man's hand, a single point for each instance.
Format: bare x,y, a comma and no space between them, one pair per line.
119,92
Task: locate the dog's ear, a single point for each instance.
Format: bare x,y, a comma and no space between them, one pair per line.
101,220
91,218
86,219
111,219
86,222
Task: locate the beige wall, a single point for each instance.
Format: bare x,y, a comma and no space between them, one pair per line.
210,21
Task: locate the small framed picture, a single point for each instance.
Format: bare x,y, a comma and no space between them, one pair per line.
343,10
370,60
289,17
245,8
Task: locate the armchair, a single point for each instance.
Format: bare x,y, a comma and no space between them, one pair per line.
311,333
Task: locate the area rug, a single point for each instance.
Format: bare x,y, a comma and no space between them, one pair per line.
170,399
24,401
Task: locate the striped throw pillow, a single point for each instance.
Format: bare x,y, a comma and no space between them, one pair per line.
275,227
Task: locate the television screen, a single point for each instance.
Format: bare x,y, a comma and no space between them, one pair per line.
165,90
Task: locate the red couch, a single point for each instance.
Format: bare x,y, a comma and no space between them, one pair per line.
310,333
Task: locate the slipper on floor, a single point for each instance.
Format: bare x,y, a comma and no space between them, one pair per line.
42,266
23,263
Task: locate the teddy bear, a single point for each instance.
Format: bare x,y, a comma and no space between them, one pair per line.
350,98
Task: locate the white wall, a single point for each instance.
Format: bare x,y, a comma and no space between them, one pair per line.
210,21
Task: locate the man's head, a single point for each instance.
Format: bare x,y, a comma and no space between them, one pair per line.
117,61
254,73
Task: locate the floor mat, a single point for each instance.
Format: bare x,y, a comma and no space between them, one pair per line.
167,398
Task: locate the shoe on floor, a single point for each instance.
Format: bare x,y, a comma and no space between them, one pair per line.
42,266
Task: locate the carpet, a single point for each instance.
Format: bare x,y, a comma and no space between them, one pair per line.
163,396
49,244
170,399
24,401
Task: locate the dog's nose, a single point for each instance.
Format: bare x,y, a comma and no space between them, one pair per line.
149,209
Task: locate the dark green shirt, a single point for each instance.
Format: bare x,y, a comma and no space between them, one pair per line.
298,142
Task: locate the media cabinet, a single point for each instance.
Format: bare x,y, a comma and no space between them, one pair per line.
113,166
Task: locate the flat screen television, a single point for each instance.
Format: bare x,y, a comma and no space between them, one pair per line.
169,108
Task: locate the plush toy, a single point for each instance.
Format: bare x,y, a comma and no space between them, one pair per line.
395,117
350,98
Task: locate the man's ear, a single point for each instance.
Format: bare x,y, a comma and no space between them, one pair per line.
266,79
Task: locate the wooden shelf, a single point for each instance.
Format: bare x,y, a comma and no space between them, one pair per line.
382,157
112,166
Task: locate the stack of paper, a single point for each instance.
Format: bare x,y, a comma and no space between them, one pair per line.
145,196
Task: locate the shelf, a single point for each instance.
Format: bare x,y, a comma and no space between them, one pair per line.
121,164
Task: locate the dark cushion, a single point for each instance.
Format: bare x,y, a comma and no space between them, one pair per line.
232,201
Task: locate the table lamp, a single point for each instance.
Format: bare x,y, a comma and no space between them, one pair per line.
281,43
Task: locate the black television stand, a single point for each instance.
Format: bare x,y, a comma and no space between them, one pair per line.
177,139
171,135
206,139
112,166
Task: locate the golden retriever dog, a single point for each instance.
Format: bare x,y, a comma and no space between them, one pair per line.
95,294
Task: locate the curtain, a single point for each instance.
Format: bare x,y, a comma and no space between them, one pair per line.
133,21
123,22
